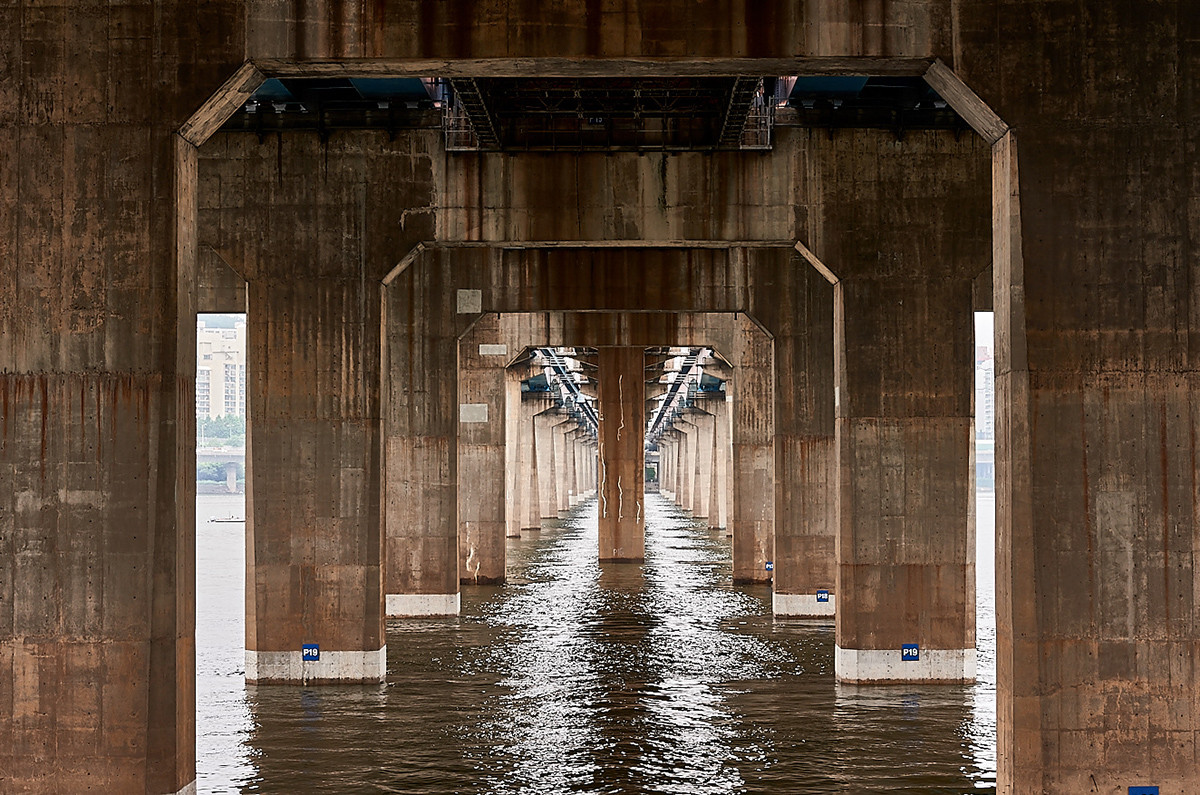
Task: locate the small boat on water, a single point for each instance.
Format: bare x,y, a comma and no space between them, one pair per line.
230,518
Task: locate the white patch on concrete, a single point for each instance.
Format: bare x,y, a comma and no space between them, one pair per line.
401,605
288,666
470,302
486,349
189,789
472,412
803,605
885,665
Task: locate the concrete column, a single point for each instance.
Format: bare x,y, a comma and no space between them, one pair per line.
583,465
1098,422
906,550
421,415
805,453
531,508
903,379
713,499
482,450
573,456
565,465
592,464
312,499
687,464
703,422
720,406
516,454
753,520
621,375
98,208
666,450
678,464
543,430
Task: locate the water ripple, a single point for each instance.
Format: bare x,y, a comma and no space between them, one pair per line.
581,677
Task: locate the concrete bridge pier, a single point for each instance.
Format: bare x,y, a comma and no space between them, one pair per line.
622,410
753,518
521,469
904,344
482,452
231,469
670,479
585,453
575,439
906,545
543,433
706,424
678,457
529,482
722,463
312,520
705,432
518,428
686,498
666,466
805,455
564,466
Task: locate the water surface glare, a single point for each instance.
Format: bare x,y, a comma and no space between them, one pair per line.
581,677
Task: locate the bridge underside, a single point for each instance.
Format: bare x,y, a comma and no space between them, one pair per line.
816,191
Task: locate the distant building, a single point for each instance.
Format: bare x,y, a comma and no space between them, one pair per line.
985,393
220,371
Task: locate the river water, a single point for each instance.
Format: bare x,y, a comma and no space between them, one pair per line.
579,677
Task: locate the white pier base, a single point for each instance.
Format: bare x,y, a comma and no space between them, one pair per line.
288,667
412,605
802,605
883,666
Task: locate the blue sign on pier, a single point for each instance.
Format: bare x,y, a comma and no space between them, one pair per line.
910,652
822,596
310,652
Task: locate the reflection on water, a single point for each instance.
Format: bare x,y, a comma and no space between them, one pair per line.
582,677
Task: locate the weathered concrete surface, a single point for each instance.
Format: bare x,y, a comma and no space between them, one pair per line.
705,433
529,484
97,371
520,471
594,304
547,475
805,454
481,462
752,524
687,464
564,466
622,410
1094,279
462,29
1095,233
345,244
904,345
313,493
